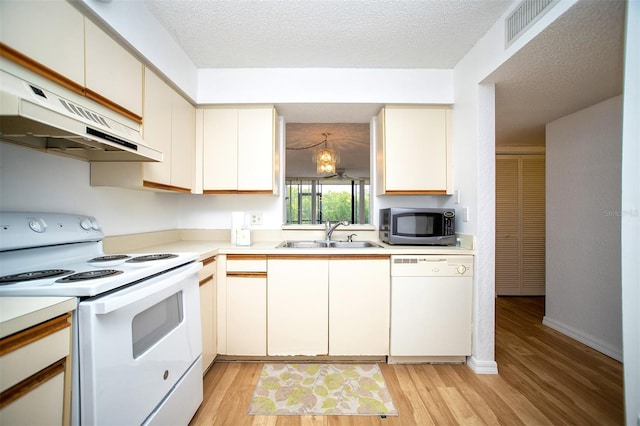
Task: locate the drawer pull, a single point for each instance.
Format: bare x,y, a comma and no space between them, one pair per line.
27,385
30,335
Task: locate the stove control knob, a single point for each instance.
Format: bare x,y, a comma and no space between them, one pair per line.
461,269
85,224
37,225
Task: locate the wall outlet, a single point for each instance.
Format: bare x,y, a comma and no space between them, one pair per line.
256,218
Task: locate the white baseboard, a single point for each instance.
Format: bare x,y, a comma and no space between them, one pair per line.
582,337
482,367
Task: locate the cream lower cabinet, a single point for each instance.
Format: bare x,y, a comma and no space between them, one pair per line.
34,374
207,278
414,151
332,305
359,300
298,300
246,305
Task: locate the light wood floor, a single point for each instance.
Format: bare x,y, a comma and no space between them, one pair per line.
545,378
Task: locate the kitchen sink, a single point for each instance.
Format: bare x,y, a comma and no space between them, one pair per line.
353,244
328,244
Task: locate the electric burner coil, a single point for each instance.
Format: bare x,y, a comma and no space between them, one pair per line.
89,275
152,257
34,275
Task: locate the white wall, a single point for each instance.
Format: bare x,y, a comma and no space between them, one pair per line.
474,172
583,168
35,181
325,85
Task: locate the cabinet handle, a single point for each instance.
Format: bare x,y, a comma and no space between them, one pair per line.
30,335
27,385
247,274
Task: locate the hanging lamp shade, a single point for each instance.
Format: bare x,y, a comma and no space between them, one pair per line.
326,158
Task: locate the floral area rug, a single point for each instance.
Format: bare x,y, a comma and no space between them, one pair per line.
322,389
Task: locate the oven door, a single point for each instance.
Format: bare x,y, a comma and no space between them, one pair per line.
135,345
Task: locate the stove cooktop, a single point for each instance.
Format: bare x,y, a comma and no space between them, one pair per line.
90,277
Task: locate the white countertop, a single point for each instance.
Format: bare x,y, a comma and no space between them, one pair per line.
20,313
209,248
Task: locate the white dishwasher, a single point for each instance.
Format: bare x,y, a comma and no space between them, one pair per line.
431,308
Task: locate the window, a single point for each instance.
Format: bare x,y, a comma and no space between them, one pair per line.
313,201
151,325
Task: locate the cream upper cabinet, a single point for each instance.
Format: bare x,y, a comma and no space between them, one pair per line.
168,126
239,150
220,149
256,146
42,30
298,298
156,126
110,71
183,137
414,150
359,300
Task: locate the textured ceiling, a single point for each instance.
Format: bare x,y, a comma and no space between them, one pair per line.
327,33
574,63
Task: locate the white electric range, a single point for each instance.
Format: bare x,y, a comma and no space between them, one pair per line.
136,332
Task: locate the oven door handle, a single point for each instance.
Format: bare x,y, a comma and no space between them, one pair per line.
113,302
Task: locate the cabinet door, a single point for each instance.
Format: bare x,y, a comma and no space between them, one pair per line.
111,71
256,142
183,142
157,127
49,32
246,315
359,297
220,149
416,151
43,405
208,313
298,307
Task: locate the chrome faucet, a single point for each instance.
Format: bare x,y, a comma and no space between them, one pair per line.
330,228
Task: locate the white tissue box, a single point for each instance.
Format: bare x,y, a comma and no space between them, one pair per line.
243,237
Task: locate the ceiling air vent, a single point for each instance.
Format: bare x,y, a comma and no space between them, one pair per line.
523,16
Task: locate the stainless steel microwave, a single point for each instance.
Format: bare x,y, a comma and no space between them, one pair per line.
418,226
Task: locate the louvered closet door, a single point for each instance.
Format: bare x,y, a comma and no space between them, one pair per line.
532,225
520,210
508,275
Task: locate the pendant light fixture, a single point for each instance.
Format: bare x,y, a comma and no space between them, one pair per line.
326,158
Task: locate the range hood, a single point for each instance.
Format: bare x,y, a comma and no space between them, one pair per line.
42,115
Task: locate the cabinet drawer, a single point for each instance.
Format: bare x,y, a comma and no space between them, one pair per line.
26,353
244,263
41,404
208,269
